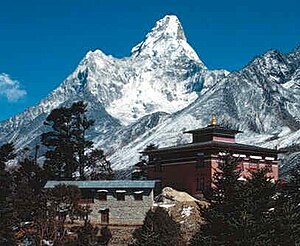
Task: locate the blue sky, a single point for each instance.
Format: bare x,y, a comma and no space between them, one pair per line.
41,42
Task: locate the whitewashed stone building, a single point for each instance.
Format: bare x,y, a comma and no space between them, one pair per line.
114,202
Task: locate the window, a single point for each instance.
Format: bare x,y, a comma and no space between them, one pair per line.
253,167
240,167
103,196
200,184
120,194
87,196
157,163
200,160
138,195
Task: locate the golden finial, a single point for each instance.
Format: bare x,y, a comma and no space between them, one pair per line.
213,120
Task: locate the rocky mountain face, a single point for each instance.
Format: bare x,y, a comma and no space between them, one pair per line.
162,89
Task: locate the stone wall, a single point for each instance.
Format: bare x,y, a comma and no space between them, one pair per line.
127,212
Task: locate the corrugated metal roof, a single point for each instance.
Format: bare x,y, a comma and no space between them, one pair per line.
108,184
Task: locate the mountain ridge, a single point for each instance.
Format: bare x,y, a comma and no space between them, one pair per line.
164,88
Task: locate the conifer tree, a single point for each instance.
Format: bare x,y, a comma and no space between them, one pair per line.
60,159
87,235
159,229
6,209
140,168
105,236
241,211
99,165
255,210
28,183
287,211
222,209
49,222
69,152
65,200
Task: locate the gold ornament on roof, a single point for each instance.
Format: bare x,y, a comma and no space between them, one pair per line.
213,120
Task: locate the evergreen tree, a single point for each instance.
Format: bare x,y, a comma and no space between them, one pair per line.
222,209
241,211
105,236
6,209
68,149
60,159
253,225
159,229
49,223
28,183
87,235
286,230
6,154
140,168
99,165
65,201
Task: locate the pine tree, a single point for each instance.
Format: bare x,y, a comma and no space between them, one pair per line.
6,209
69,152
59,202
222,210
263,192
241,211
255,210
65,200
87,235
286,227
99,165
60,157
159,229
140,168
105,236
28,183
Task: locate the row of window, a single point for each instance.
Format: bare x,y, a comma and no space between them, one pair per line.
102,196
252,167
120,196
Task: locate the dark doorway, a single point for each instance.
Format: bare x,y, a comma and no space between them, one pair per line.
104,216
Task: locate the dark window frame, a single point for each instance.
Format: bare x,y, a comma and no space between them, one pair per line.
200,160
87,196
157,163
138,197
120,196
200,185
102,196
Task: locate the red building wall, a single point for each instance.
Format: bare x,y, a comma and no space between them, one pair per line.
182,176
193,179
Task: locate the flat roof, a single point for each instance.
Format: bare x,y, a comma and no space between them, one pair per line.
214,129
211,145
102,184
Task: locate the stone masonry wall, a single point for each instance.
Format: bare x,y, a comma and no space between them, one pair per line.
128,212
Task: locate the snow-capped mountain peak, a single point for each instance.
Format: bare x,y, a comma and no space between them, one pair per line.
168,27
166,36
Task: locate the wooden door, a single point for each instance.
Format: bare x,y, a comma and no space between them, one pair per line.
105,216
